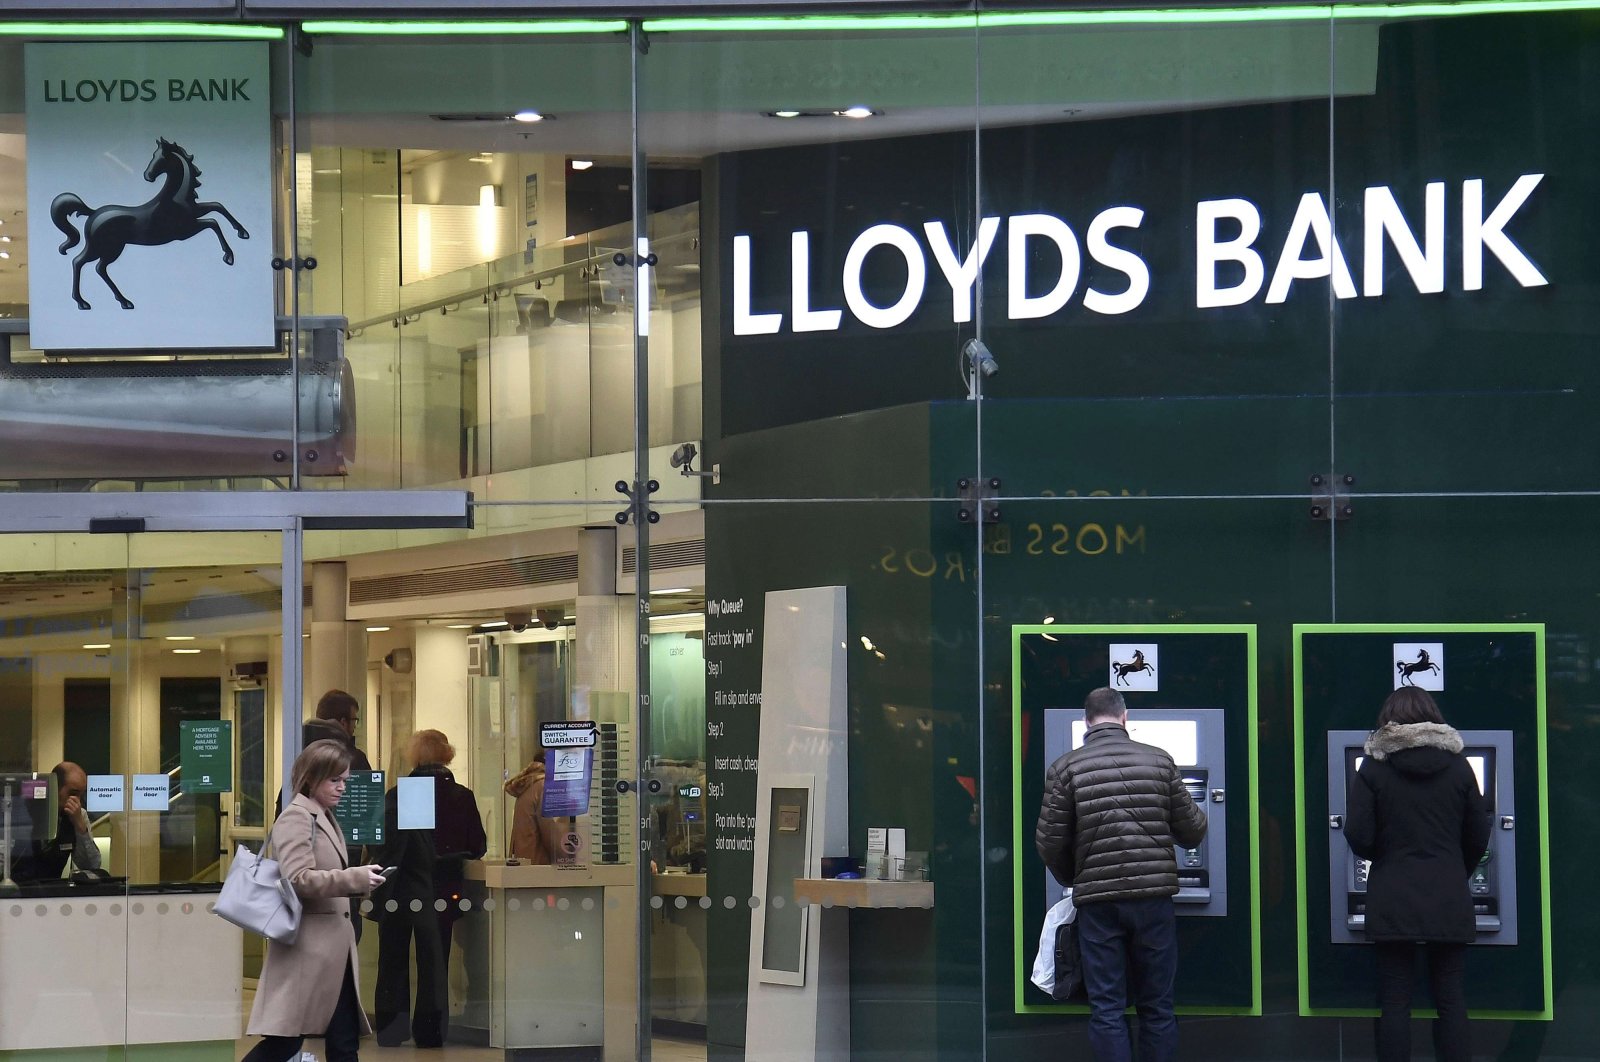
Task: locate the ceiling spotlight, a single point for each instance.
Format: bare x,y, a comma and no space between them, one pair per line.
856,112
786,114
528,116
582,164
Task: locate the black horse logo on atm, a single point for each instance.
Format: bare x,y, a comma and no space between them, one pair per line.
1132,667
174,214
1413,667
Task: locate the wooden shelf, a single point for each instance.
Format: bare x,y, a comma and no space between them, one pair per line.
864,893
691,885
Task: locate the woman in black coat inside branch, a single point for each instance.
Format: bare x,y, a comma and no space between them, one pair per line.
1415,810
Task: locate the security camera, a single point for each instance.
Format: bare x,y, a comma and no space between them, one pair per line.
683,460
979,357
551,618
519,619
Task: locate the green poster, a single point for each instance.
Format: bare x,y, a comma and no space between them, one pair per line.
205,755
360,813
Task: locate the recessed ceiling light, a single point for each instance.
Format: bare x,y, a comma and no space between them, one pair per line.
376,630
5,254
582,164
786,114
460,626
528,116
180,637
186,652
672,590
98,645
495,623
482,156
5,239
856,112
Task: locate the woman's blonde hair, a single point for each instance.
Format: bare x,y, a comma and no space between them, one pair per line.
320,761
429,746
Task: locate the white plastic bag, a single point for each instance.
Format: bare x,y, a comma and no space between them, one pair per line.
1044,963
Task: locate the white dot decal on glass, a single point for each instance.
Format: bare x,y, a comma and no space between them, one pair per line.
655,903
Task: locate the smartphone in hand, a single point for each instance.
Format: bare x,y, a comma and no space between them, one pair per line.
386,871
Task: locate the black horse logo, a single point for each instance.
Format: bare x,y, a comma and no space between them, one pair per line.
1132,667
174,214
1421,663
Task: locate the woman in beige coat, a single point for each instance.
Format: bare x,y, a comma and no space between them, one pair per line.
308,988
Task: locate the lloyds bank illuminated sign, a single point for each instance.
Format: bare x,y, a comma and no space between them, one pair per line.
1230,258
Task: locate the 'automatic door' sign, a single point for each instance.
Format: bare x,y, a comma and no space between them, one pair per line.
119,136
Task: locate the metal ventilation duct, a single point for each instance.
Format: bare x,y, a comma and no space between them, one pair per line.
187,418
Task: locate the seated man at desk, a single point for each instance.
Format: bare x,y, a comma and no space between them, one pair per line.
48,858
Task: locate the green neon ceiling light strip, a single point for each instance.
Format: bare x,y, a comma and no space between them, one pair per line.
140,29
465,29
1125,17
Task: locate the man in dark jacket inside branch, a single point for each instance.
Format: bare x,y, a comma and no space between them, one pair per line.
337,715
1113,809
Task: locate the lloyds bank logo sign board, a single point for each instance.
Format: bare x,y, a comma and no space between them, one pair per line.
149,196
1234,260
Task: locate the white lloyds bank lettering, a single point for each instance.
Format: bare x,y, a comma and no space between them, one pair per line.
1479,232
1311,221
1020,305
746,323
916,276
1230,268
961,275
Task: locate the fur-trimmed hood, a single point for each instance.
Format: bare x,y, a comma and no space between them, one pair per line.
1396,737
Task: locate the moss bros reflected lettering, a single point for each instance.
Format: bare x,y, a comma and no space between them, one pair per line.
126,90
1230,269
1091,539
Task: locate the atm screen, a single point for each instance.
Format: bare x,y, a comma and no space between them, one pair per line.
1480,760
1180,738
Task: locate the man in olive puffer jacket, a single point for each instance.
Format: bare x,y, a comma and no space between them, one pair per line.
1113,809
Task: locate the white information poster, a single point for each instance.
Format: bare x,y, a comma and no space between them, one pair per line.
107,792
151,792
149,196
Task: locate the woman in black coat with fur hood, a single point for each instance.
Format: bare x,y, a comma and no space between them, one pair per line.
1415,811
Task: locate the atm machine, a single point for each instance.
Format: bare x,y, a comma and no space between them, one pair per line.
1493,883
1193,737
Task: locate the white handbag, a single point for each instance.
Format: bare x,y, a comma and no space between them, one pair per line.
255,897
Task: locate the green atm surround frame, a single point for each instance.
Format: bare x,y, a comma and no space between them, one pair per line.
1542,781
1025,946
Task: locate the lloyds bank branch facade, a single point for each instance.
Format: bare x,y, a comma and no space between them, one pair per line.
806,407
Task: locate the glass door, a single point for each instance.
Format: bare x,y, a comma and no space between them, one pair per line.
140,698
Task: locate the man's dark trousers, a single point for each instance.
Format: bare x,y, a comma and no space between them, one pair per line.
1130,957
